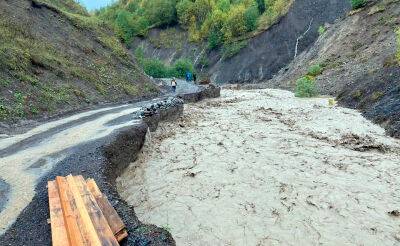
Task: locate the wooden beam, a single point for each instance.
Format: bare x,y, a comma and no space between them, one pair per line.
97,217
116,224
58,231
75,238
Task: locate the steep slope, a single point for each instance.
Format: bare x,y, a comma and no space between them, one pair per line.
358,57
55,58
262,56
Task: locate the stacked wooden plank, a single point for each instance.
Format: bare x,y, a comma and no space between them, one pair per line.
81,215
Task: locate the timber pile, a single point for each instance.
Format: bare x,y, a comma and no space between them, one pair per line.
81,215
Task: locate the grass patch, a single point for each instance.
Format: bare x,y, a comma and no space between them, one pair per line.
377,95
5,82
321,30
315,70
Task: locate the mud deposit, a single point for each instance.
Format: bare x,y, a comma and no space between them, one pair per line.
262,167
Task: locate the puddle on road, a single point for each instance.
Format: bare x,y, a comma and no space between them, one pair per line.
22,169
265,168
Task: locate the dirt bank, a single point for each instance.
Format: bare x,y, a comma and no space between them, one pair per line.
261,167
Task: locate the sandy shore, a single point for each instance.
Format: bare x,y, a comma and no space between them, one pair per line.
262,167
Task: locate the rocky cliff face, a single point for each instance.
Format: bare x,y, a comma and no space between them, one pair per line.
264,55
357,56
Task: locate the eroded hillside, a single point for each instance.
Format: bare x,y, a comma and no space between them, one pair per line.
55,58
357,62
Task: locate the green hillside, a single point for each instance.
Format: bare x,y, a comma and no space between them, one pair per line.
55,57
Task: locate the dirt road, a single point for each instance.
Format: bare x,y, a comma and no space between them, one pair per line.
262,167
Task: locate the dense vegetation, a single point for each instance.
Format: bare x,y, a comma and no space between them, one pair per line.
157,69
217,21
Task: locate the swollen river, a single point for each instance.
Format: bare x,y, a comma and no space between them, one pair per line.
265,168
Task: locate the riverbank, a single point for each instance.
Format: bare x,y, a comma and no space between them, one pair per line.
262,167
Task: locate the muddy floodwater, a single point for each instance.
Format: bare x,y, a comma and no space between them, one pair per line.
262,167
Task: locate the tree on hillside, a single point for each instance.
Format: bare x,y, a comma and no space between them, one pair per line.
185,10
261,6
160,12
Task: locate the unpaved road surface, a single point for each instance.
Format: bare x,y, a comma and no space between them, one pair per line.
25,158
265,168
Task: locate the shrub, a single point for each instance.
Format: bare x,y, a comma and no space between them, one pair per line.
160,12
202,8
224,5
235,24
123,25
180,68
314,70
305,87
261,6
321,30
185,10
155,68
356,4
213,26
251,16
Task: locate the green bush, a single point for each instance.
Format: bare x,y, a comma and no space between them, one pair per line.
235,24
321,30
185,10
123,23
160,12
224,5
182,66
155,68
261,6
314,70
305,87
213,26
356,4
251,16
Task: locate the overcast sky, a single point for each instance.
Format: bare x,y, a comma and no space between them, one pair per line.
95,4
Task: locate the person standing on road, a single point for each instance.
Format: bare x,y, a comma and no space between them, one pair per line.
173,84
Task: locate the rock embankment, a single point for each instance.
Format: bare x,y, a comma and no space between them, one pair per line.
205,91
